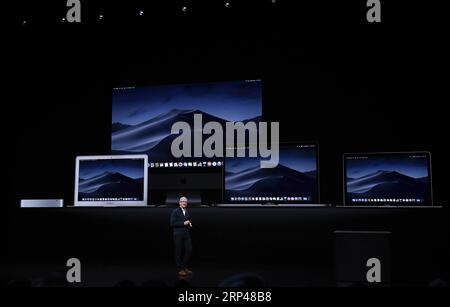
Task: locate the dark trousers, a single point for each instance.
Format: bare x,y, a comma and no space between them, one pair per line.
183,249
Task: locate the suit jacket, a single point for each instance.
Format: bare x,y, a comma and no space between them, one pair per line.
177,220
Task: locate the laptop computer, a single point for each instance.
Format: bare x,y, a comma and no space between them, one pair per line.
293,182
388,180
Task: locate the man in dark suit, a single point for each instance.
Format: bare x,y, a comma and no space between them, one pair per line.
181,224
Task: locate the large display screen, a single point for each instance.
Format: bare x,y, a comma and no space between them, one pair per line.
142,117
142,120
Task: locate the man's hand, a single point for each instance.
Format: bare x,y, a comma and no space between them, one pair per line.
187,223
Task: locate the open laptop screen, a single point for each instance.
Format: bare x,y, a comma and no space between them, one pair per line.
293,181
111,180
388,179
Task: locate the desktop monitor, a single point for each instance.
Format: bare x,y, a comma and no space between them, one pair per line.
387,179
119,180
293,181
142,118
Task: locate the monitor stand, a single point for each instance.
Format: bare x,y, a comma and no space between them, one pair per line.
194,198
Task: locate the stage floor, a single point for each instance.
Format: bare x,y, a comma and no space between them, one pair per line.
165,274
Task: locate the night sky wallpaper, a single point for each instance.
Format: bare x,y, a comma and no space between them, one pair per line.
295,175
392,176
142,117
116,178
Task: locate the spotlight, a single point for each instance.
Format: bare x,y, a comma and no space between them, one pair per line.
63,19
227,4
24,22
141,13
100,16
184,8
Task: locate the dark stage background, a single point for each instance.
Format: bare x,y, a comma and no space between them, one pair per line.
328,76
